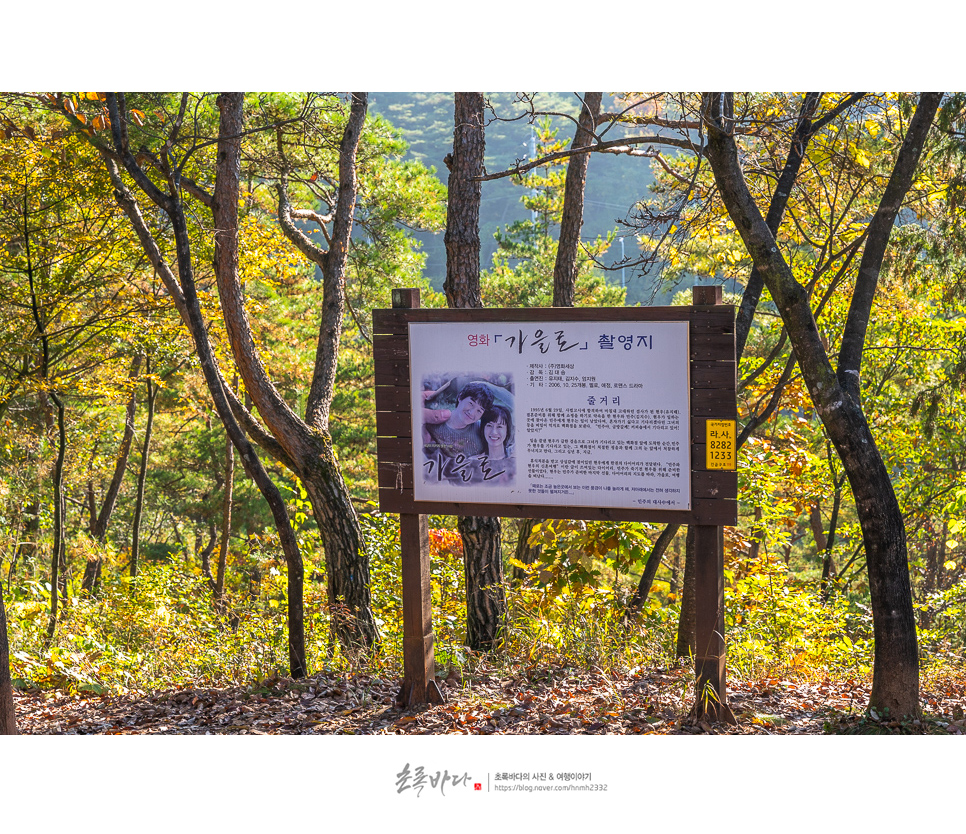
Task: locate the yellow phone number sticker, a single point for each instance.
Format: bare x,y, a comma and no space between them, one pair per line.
720,438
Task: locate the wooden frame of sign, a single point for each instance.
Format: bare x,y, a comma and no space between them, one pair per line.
713,490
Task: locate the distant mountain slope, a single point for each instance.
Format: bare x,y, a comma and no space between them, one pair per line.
614,183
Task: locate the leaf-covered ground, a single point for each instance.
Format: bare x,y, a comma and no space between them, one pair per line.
540,701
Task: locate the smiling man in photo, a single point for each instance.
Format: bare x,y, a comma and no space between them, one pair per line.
459,434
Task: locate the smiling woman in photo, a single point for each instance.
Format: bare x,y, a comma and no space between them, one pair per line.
496,427
497,465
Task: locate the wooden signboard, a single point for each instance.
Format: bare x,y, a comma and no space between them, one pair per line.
581,413
710,397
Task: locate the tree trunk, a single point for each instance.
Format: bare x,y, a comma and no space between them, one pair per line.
225,213
462,237
686,641
482,547
818,527
8,715
349,597
99,522
27,543
305,446
935,556
676,567
485,594
895,676
142,474
565,267
829,570
757,537
92,573
57,558
650,568
524,553
895,685
204,553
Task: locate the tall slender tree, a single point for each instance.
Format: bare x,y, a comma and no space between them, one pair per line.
143,471
566,265
308,442
836,392
482,549
101,519
180,283
226,507
806,127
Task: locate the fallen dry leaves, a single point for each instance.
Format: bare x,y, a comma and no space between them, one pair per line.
539,701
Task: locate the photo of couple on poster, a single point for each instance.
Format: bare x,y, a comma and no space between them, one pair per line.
467,430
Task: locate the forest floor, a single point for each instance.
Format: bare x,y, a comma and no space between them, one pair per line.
538,701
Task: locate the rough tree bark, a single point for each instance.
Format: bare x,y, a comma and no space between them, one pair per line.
485,592
524,553
686,640
462,237
895,685
482,551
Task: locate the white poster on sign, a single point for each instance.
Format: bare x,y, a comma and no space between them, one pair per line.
591,414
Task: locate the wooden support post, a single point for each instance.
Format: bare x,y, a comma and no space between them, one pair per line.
711,690
710,682
419,678
419,671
